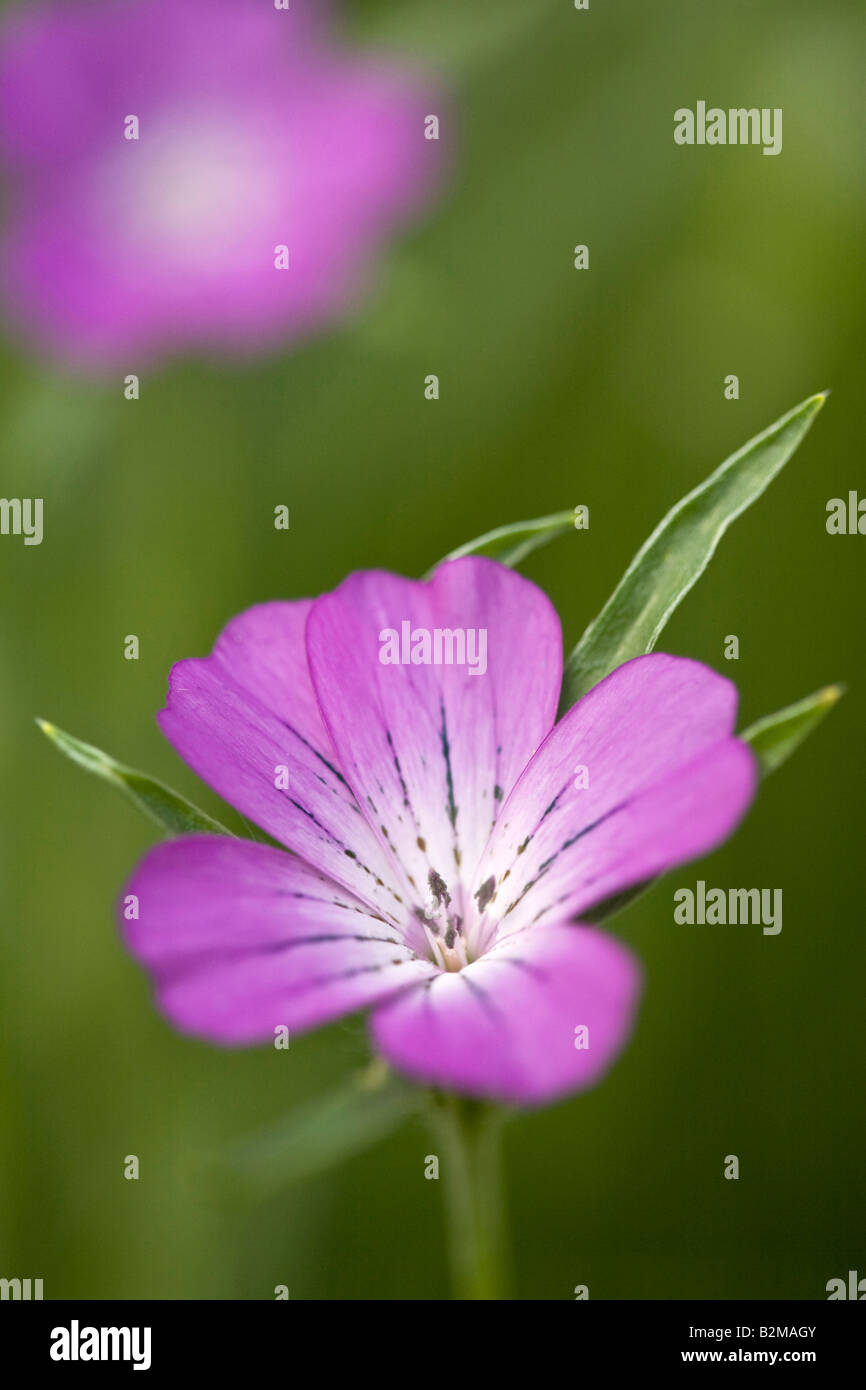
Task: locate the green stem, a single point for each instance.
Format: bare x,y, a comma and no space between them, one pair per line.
471,1169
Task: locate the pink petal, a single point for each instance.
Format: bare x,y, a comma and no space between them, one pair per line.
67,70
504,1028
242,939
248,709
667,782
432,750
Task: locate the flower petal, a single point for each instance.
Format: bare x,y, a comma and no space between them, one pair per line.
505,1027
431,749
64,67
249,709
241,939
667,782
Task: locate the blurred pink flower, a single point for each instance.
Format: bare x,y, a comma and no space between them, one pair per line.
255,131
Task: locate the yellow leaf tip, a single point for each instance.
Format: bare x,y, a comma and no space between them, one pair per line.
830,694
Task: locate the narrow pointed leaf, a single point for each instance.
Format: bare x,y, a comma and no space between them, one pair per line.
171,812
677,553
511,544
774,738
311,1139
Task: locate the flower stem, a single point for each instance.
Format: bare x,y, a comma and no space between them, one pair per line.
470,1136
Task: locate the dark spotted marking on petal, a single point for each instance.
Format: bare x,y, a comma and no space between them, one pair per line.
566,844
485,894
438,888
545,813
396,853
334,840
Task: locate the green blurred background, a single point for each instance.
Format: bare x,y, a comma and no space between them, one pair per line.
557,387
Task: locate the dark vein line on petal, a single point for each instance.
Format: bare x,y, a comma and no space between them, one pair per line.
349,853
483,998
204,959
449,778
322,759
566,845
533,970
276,947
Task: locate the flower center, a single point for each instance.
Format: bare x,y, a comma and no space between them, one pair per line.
198,187
454,936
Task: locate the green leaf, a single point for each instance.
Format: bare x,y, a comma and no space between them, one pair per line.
170,811
609,907
677,553
774,738
313,1137
511,544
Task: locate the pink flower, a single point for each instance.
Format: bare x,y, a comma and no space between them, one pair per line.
445,854
130,238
